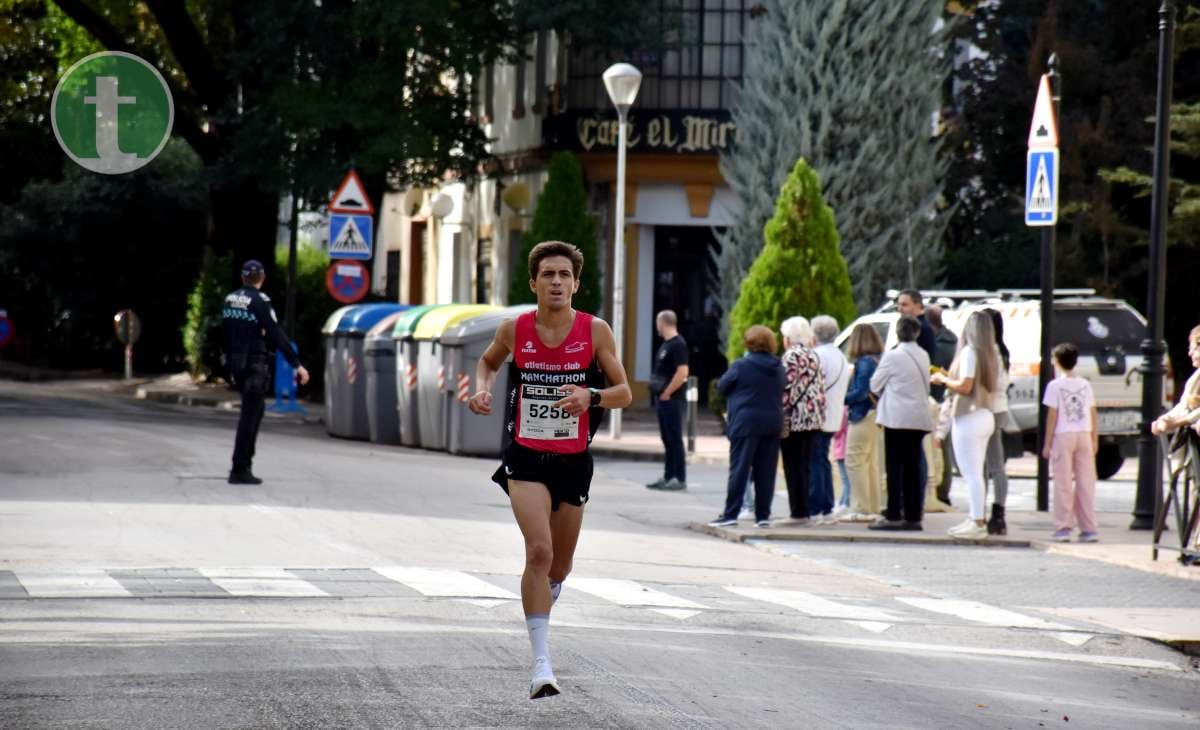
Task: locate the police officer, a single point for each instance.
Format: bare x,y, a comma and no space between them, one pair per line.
248,321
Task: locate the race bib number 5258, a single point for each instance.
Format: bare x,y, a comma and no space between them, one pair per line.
540,419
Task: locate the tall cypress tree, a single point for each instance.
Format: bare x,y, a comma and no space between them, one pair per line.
561,215
852,87
800,270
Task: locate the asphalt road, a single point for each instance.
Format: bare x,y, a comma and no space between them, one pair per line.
366,586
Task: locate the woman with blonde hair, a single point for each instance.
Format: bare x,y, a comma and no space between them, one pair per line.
862,438
971,384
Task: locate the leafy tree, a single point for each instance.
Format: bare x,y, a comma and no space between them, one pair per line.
1108,61
75,251
202,334
800,270
561,215
850,86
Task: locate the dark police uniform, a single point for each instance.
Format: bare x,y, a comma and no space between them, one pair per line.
248,321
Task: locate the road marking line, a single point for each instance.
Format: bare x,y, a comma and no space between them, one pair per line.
443,583
260,582
676,613
877,627
907,647
981,613
995,616
631,593
481,602
70,584
816,605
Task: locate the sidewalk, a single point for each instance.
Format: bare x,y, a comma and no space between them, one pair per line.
181,389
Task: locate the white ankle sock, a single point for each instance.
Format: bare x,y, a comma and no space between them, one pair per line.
555,589
539,630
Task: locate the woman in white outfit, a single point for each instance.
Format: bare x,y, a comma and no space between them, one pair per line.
971,383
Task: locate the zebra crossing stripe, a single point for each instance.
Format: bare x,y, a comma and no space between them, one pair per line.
272,582
82,583
814,605
630,593
995,616
444,583
981,613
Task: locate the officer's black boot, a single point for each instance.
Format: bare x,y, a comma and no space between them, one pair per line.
995,525
243,477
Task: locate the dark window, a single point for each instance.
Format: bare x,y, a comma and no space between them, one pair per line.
483,272
1099,328
519,91
393,275
698,66
539,72
489,94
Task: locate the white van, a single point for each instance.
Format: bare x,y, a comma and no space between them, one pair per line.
1108,333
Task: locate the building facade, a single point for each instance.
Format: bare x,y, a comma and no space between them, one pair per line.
459,242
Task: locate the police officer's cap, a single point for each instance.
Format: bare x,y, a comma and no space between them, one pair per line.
253,267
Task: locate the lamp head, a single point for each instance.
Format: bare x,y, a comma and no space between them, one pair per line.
622,81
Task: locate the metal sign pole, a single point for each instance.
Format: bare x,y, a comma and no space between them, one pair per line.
1046,368
1149,457
618,323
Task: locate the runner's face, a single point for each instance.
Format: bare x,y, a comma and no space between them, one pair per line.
556,282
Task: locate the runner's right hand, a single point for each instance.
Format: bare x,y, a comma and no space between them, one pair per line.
481,403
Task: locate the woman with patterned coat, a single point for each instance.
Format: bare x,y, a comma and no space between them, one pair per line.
803,414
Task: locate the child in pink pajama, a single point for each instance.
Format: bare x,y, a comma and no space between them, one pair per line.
1071,447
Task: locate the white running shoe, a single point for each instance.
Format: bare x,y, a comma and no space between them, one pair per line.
967,524
840,510
974,532
746,514
543,683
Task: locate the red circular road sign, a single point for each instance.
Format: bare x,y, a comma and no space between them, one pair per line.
347,281
7,331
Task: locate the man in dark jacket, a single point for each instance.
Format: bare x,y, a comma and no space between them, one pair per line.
753,388
248,320
910,303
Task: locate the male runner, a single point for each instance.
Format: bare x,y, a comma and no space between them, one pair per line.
552,416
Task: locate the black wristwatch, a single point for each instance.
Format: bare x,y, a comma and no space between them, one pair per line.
596,395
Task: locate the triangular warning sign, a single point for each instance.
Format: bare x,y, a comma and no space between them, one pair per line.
1041,197
351,197
350,240
1043,133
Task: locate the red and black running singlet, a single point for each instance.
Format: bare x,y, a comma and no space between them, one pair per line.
537,373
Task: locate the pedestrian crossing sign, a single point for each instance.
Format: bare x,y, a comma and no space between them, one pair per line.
1041,187
350,236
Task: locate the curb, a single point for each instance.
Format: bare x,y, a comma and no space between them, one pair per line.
636,454
186,399
814,534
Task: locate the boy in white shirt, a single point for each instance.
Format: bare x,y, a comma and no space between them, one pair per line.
1071,447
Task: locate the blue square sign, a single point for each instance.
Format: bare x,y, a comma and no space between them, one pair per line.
1041,187
350,236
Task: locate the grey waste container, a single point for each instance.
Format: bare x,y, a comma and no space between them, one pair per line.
379,354
433,400
406,373
462,346
332,372
349,419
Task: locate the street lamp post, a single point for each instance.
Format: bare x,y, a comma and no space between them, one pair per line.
1149,485
622,82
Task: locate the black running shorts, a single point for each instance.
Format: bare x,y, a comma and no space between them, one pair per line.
567,476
